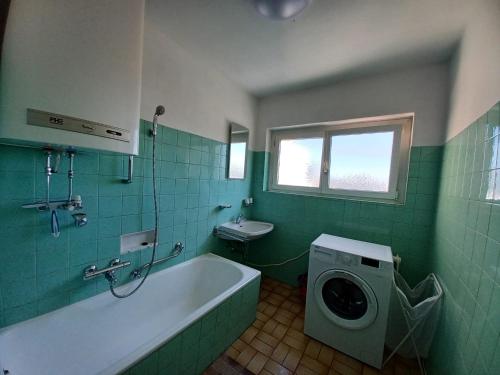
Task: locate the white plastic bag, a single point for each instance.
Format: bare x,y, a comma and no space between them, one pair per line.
422,306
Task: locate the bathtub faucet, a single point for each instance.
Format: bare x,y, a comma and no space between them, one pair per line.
111,274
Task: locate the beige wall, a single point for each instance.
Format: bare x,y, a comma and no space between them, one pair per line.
197,98
423,90
476,67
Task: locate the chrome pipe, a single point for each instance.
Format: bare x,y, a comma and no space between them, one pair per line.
128,180
71,174
92,271
178,248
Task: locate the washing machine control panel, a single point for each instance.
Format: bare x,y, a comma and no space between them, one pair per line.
346,259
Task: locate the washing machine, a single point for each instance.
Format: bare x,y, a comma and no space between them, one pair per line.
348,295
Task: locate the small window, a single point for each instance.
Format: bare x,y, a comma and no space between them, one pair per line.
365,159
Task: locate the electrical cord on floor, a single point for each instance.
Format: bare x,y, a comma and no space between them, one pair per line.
278,264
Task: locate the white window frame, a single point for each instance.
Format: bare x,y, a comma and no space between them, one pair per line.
401,124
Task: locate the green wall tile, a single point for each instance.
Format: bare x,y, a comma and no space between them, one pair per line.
466,233
381,223
53,267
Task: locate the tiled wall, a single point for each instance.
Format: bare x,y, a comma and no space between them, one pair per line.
192,350
41,273
467,251
300,219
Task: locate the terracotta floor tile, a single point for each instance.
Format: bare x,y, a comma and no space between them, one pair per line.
258,324
257,363
343,368
270,326
280,331
292,359
268,339
210,371
295,299
298,335
349,361
273,282
296,308
239,345
263,317
226,366
295,343
249,334
298,324
326,355
262,347
270,310
282,291
313,348
302,370
232,353
246,356
274,299
368,370
280,353
261,306
266,287
282,319
314,365
276,345
264,294
276,369
286,313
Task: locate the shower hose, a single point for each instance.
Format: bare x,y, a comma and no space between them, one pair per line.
159,111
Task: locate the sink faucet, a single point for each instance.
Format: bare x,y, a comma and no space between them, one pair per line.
239,218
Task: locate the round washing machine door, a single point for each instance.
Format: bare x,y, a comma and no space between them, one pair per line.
345,299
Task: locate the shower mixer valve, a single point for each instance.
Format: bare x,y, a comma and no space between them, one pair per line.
111,274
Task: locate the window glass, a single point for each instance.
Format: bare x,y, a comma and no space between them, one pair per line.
299,162
361,161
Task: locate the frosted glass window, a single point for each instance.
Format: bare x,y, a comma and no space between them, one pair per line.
299,162
361,161
365,159
237,160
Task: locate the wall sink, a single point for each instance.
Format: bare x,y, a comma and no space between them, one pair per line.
246,230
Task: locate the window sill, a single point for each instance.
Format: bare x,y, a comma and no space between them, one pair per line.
396,202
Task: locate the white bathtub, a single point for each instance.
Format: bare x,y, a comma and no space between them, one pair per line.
105,335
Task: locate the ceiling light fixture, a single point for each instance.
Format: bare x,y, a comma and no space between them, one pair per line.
281,9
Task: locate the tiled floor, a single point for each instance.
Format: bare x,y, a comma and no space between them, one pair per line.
275,344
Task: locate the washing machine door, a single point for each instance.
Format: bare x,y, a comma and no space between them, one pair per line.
345,299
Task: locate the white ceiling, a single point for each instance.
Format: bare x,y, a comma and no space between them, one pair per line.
331,40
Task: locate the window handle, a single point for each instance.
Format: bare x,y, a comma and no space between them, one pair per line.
325,167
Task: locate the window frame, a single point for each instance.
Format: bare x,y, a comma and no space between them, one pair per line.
401,124
294,134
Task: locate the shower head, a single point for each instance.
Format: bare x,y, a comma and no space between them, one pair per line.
160,110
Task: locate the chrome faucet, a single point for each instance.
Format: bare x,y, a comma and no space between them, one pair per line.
239,219
111,274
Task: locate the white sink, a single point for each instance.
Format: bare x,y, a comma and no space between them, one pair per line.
246,230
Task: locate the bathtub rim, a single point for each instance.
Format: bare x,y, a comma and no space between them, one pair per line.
248,275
